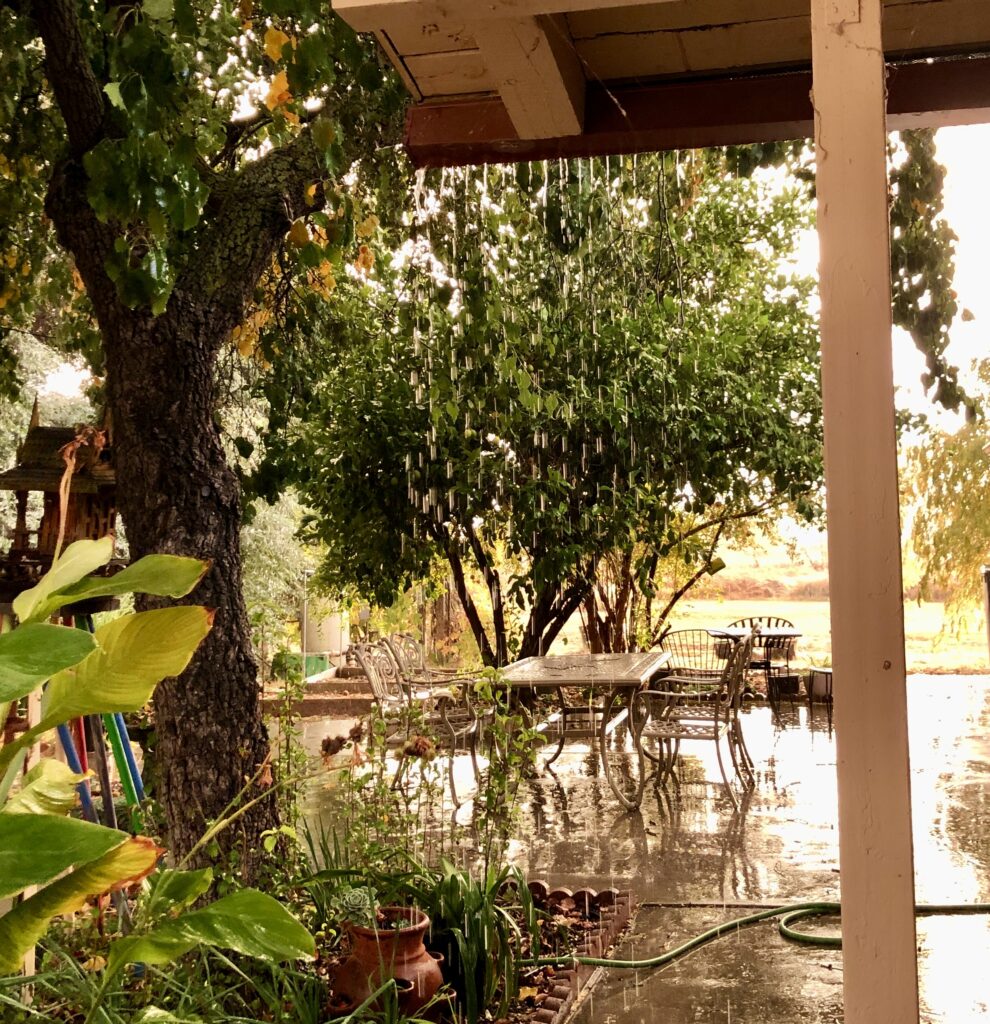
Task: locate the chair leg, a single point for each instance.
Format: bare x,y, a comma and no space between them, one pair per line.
725,776
450,777
741,760
773,694
474,752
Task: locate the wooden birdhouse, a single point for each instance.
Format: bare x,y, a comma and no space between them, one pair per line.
74,463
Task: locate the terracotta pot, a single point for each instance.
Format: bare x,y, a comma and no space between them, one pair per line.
388,952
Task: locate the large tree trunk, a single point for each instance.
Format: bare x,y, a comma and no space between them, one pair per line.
177,494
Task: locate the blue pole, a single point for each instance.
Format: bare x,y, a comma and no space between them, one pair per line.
72,758
129,755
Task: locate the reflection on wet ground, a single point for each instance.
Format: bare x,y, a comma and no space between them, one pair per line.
689,845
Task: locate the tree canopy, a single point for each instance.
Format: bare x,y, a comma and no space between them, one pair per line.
948,476
561,361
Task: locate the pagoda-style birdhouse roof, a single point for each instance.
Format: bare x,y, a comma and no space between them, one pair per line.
40,464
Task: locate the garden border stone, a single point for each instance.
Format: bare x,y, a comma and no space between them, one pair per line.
614,908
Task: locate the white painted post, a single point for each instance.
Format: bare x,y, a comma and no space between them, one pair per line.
880,970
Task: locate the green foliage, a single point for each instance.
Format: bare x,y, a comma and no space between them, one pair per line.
475,927
115,669
922,264
357,905
948,484
191,91
247,921
579,354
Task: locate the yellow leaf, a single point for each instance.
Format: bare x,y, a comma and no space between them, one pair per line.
274,41
368,226
298,233
324,282
365,261
311,194
278,91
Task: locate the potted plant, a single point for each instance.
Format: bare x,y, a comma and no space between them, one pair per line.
386,943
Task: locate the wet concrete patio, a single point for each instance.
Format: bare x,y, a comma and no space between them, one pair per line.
693,860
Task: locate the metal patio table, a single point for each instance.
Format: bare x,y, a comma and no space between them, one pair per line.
614,678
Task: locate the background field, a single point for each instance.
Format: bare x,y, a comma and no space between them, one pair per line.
790,580
929,647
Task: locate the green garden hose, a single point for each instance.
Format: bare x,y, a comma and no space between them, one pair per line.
788,914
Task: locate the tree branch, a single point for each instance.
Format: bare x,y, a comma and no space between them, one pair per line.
747,513
77,91
443,538
657,633
494,583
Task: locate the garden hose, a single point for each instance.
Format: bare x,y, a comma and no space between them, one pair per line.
788,914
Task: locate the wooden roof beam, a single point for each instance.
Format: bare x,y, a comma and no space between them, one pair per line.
692,113
371,15
538,73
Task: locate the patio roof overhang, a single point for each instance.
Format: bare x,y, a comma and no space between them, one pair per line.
528,79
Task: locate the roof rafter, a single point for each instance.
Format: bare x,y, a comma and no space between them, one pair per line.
538,74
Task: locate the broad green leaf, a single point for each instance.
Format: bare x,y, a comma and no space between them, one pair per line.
35,848
161,575
33,653
134,653
175,890
48,788
75,562
247,921
22,926
112,89
156,1015
157,9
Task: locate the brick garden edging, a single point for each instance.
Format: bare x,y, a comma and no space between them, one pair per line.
614,911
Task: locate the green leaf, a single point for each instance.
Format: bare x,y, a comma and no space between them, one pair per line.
175,890
21,927
248,922
112,89
161,575
35,848
75,562
157,9
33,653
134,653
156,1015
48,788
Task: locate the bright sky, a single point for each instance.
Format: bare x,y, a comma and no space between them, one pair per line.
67,380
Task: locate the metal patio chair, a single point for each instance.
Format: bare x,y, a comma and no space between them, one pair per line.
443,714
771,655
410,656
699,699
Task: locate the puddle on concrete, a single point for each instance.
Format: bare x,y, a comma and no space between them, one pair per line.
689,844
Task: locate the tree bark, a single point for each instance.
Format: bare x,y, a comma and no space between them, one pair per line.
178,495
